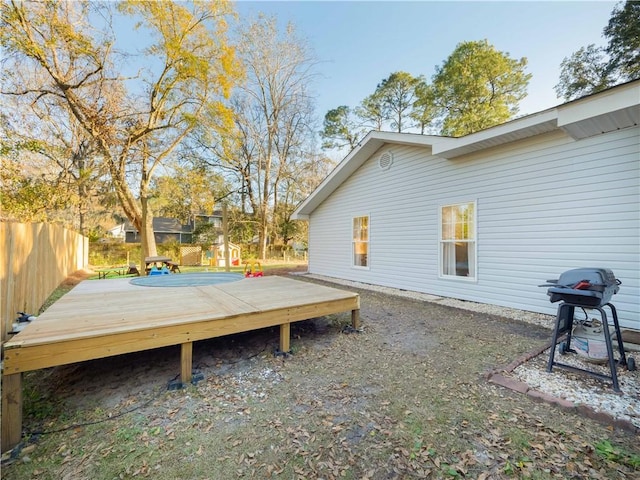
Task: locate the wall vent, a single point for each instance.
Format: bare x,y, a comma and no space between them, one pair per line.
385,160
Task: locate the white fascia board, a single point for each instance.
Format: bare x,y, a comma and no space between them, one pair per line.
618,98
517,129
622,98
614,109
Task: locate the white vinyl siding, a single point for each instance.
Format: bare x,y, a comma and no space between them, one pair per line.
544,205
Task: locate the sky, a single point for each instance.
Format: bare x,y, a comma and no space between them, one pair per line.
360,43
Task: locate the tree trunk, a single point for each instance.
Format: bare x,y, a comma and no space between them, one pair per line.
263,235
225,236
147,236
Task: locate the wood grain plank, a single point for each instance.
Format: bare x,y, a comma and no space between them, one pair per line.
158,317
101,319
11,410
186,361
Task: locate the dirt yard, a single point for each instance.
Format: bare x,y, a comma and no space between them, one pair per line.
406,398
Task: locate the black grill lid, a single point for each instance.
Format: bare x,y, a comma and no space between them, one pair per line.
590,287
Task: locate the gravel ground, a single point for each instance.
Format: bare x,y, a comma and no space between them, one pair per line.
577,388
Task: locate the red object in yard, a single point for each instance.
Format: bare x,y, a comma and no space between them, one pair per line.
235,262
252,268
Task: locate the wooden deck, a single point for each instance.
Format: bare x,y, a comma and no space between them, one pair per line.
98,319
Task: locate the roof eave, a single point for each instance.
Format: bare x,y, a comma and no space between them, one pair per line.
518,129
613,109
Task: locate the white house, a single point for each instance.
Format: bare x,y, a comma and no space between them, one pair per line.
117,232
490,216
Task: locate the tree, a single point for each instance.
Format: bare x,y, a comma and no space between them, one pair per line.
44,133
49,176
398,95
190,190
478,87
342,128
28,197
299,181
425,111
584,72
273,118
592,69
136,128
373,111
623,33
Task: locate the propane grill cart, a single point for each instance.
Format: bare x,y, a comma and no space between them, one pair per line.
588,289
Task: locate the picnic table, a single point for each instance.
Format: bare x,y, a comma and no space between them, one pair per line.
172,266
102,274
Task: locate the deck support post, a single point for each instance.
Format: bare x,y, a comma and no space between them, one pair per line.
285,337
355,319
186,362
11,411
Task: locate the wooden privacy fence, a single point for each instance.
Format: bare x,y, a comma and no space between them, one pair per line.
36,258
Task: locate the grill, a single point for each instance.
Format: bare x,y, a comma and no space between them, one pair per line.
586,289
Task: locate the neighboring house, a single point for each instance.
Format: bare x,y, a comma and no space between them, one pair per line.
166,229
215,222
490,216
117,232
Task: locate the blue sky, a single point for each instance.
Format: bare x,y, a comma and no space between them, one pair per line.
360,43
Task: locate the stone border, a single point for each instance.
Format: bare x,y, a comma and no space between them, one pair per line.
497,377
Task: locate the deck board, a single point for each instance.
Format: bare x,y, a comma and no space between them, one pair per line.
98,319
106,312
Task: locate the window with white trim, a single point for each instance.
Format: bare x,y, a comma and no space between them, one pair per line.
360,241
458,240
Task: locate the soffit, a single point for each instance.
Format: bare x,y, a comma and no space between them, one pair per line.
608,122
515,130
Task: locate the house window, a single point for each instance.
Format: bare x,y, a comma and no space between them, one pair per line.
360,241
458,240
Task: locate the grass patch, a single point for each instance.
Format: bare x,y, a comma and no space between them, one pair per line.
57,294
613,454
